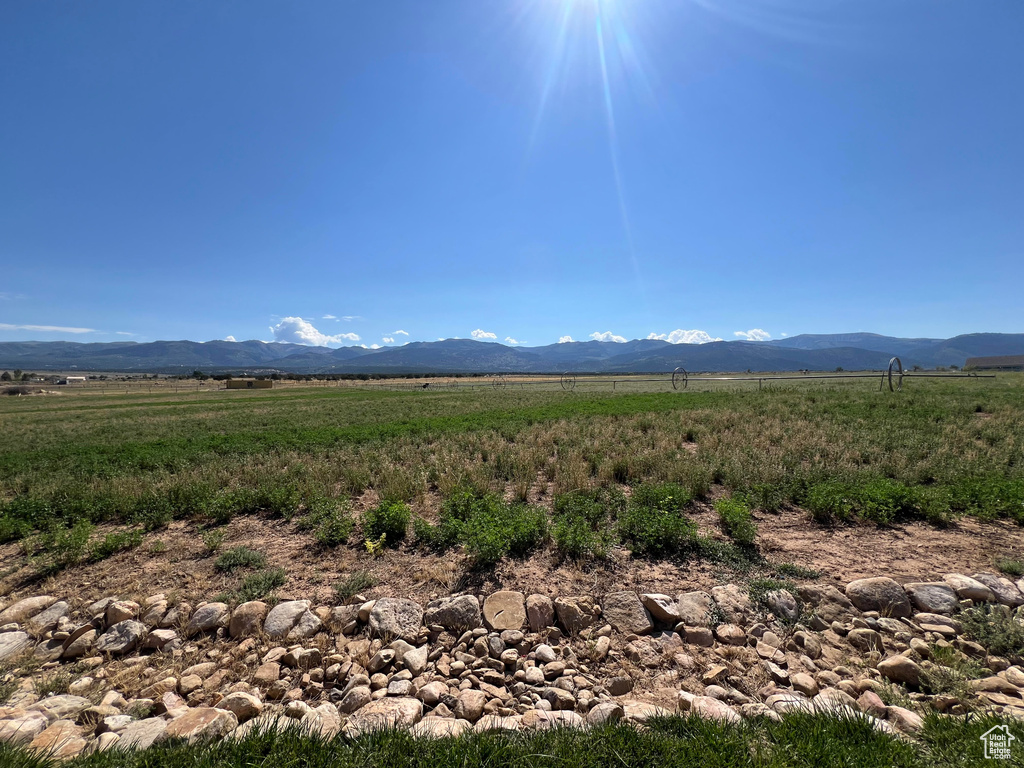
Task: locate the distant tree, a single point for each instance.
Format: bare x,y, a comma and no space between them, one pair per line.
839,369
955,367
17,374
5,376
27,376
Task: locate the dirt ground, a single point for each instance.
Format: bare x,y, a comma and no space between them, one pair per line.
184,569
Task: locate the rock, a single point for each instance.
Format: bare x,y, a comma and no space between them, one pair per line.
23,728
60,741
248,618
202,723
620,685
122,610
541,720
713,709
933,597
905,720
124,637
540,612
47,621
835,701
661,607
605,712
805,684
244,706
497,723
356,698
505,610
416,660
440,728
625,611
695,608
865,640
268,672
601,648
161,639
1005,591
558,698
789,702
79,643
205,619
782,603
23,609
871,703
154,613
700,636
733,601
880,594
61,707
385,713
14,644
576,613
967,588
380,660
142,734
396,618
307,626
900,669
805,642
639,712
470,705
730,634
283,617
830,604
323,720
454,613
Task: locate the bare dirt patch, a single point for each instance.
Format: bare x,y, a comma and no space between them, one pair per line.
175,561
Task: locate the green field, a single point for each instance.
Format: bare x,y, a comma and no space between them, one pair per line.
841,449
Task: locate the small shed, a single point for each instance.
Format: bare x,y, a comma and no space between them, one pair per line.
250,383
996,363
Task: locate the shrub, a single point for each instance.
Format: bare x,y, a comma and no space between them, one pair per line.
668,497
736,520
212,541
258,585
995,628
1010,567
240,557
499,530
353,585
653,532
112,543
63,547
793,571
582,522
389,519
331,523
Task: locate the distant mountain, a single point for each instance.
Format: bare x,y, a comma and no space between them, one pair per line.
852,351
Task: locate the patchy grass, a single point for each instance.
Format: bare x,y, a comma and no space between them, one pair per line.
995,628
240,557
353,585
797,741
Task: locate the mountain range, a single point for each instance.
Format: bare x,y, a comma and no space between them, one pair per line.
822,352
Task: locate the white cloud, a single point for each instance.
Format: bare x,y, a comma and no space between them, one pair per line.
564,339
388,339
607,336
680,336
374,346
230,338
510,340
295,330
400,333
350,318
478,334
329,317
125,333
754,334
7,296
784,334
46,328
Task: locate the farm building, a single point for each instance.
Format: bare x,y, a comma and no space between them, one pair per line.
249,384
1000,363
72,380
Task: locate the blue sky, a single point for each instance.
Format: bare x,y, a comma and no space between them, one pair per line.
340,172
